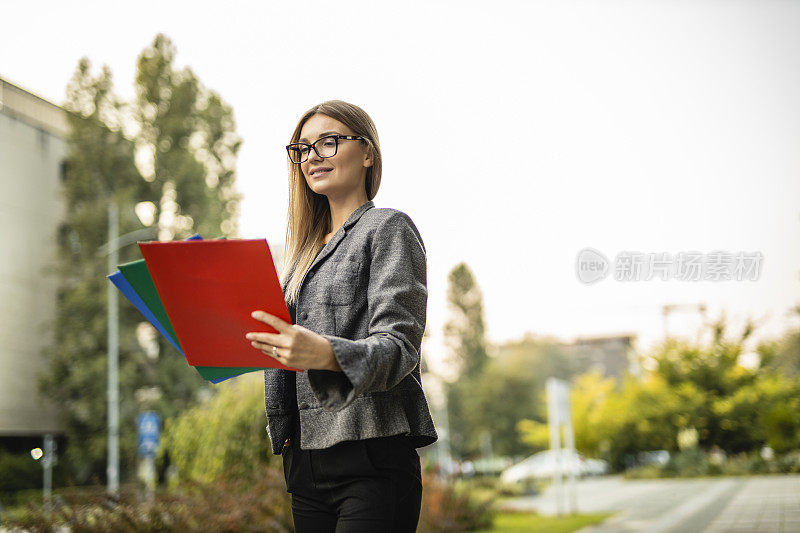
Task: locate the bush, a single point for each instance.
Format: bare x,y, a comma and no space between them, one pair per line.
695,462
790,463
224,437
514,489
740,464
447,508
259,504
19,472
782,428
688,463
644,472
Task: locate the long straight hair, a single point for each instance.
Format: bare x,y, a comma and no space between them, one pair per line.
309,214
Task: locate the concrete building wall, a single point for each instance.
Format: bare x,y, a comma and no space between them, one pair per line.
612,356
32,149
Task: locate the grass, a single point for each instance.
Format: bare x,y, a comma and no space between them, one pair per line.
519,522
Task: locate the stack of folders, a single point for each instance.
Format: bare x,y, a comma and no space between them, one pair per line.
199,294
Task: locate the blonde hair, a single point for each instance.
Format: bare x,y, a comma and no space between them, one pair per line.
309,214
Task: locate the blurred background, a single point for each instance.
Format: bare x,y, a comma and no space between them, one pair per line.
607,192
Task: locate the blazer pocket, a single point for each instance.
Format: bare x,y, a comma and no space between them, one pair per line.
343,283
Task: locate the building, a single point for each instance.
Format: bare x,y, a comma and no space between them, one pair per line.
611,355
32,150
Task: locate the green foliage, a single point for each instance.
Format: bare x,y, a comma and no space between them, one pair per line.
695,462
465,332
691,386
492,394
492,403
518,521
449,508
696,386
99,167
593,424
753,415
783,355
692,462
782,427
189,143
224,437
18,472
465,337
258,504
179,160
613,422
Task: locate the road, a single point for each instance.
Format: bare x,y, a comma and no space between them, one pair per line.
761,504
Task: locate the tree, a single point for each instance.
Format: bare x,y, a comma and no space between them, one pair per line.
703,387
490,394
188,182
98,169
465,332
713,369
186,147
493,394
783,354
464,335
516,378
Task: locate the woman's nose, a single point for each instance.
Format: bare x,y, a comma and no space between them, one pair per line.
313,156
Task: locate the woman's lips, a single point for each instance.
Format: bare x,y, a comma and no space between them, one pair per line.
320,173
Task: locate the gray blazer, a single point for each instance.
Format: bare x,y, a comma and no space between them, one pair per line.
366,292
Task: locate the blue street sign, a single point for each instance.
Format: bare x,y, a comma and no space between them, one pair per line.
149,430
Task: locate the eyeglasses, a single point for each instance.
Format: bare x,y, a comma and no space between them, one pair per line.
324,147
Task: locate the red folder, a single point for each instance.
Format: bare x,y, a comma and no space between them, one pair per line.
209,288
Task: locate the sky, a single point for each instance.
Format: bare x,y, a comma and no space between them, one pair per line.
515,134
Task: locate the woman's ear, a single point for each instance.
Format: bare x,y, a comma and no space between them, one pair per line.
368,159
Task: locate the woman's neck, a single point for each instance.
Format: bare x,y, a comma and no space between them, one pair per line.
341,211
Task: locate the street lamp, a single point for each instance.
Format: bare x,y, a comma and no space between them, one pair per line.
48,457
111,249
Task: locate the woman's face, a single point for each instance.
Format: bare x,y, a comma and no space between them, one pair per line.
348,167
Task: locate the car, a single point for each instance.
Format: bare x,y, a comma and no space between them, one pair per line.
545,464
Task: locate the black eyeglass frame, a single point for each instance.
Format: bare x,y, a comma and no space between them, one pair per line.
337,138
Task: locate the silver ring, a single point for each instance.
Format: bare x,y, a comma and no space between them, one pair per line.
275,351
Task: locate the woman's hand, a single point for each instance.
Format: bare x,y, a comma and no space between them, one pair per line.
297,347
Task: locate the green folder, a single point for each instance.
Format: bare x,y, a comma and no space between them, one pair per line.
138,276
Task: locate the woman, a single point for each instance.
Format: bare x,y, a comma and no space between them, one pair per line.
355,283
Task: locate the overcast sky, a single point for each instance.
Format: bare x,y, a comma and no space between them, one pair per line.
515,134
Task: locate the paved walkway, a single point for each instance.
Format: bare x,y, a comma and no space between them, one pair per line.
710,505
765,503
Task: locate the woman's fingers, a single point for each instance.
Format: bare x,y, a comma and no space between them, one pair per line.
264,337
296,346
272,339
266,348
280,325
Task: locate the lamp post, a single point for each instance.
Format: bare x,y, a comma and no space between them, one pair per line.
48,461
111,249
48,457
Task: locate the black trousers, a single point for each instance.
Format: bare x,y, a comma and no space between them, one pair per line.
353,486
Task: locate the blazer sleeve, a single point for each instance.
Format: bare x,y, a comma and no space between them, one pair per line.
397,297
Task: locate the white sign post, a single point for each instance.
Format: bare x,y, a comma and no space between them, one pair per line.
558,415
